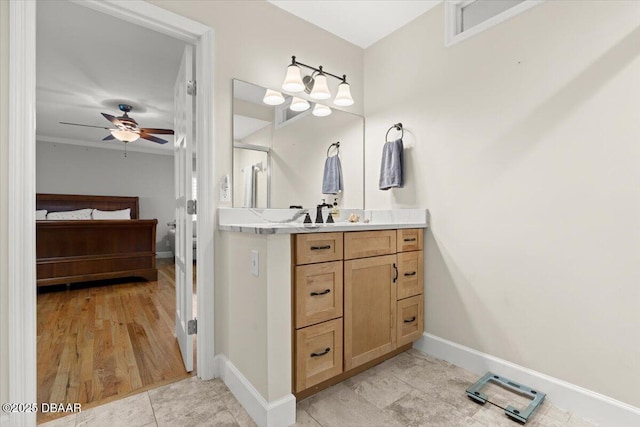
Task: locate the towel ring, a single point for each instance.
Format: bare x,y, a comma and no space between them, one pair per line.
397,126
335,144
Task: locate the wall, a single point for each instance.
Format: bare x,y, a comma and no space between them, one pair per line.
71,169
4,178
254,42
524,147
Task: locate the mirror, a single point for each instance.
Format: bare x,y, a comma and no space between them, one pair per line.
279,155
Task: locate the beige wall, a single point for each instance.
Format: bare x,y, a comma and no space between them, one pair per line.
4,143
524,147
254,41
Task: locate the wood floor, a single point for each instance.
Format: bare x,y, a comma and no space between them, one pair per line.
100,342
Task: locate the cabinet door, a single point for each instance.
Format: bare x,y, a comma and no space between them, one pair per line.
369,309
410,320
318,353
318,293
410,274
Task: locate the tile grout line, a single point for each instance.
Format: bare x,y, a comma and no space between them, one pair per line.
153,411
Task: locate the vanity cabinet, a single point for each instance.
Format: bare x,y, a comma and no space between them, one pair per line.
357,301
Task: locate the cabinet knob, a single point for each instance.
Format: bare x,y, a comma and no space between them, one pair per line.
319,248
411,273
395,268
410,239
413,319
315,294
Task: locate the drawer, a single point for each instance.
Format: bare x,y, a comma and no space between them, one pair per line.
410,274
410,239
318,353
410,322
362,244
318,247
318,293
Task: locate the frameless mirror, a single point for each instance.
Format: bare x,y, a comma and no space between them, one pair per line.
279,154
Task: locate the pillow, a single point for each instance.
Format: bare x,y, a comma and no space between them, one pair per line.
41,214
121,214
69,215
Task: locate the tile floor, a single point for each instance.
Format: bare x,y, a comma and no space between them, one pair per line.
412,389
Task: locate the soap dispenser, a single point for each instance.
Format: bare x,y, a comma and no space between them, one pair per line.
335,212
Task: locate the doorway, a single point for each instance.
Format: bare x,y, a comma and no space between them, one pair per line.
22,355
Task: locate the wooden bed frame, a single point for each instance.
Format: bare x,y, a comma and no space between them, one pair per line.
85,250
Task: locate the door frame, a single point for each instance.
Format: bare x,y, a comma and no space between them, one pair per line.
22,172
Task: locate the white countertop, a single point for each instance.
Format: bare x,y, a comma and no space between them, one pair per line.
279,221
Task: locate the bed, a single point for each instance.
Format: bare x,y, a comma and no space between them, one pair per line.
71,251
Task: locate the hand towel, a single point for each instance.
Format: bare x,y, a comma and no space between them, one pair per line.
332,178
392,164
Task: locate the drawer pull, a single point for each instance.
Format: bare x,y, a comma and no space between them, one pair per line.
413,319
315,294
322,353
395,268
412,273
410,239
319,248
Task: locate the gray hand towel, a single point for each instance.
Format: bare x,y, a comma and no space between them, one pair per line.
392,164
332,178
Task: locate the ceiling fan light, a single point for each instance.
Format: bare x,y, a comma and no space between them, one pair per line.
125,135
343,97
273,97
320,88
293,80
299,104
321,110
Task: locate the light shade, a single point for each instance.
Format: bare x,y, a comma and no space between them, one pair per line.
321,110
343,97
299,104
320,88
293,80
273,97
125,135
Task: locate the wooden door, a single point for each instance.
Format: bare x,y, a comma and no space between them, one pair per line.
369,309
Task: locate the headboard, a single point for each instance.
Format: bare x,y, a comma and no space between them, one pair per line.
69,202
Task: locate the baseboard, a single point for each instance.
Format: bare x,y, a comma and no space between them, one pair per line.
164,254
278,413
586,404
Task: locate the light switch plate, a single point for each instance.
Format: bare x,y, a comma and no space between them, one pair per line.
255,263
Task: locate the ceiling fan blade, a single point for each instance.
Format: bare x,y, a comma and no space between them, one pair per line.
108,137
152,138
157,131
112,119
78,124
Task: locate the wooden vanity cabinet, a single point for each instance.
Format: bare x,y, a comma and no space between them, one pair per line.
358,300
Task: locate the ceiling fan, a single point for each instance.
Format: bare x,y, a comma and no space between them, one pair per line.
126,128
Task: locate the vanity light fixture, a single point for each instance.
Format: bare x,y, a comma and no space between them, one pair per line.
316,84
273,97
299,104
321,110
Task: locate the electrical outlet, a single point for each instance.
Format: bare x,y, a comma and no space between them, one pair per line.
225,189
255,263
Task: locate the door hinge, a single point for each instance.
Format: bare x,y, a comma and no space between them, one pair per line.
192,327
191,87
192,207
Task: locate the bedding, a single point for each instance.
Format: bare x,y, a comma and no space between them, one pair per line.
119,214
70,215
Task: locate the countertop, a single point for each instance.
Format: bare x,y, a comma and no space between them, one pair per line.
289,221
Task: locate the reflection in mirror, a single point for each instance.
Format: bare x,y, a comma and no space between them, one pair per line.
279,154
